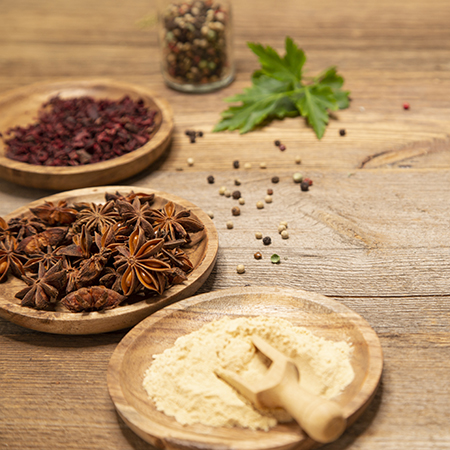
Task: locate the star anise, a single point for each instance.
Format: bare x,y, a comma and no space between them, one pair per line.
176,257
139,265
96,216
95,298
175,225
111,279
137,214
143,198
71,274
4,229
81,246
42,292
10,259
59,214
24,226
48,258
33,244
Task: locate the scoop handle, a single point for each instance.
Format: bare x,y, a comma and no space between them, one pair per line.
320,418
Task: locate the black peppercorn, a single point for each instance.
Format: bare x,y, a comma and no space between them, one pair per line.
200,133
277,143
342,132
236,164
236,195
304,186
210,179
192,138
267,240
275,179
236,211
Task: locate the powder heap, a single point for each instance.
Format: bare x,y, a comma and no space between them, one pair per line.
182,383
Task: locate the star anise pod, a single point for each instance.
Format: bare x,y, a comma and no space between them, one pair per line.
42,292
24,226
176,257
90,269
137,214
4,229
96,216
176,225
139,265
59,214
111,279
143,198
10,259
33,244
48,258
95,298
71,274
81,246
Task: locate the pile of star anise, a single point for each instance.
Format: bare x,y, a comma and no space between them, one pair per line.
91,257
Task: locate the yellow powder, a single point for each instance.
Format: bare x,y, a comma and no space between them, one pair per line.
182,383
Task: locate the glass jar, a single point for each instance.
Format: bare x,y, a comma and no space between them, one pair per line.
195,37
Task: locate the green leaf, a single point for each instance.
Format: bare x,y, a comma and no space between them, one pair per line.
287,69
335,82
265,99
314,104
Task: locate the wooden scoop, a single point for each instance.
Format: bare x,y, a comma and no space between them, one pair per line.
321,419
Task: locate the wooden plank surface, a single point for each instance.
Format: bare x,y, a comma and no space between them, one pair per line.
373,232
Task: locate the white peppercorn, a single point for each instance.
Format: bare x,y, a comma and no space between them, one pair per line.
240,268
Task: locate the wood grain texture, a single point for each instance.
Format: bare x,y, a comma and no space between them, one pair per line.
372,233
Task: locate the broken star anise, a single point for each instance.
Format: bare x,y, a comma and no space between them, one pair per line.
175,225
139,266
43,291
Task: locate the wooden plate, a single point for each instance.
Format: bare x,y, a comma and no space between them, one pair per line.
20,106
202,253
323,316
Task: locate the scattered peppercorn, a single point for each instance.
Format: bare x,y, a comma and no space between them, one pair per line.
281,228
236,211
258,235
406,106
267,240
211,214
190,161
298,160
304,186
342,132
275,180
269,191
263,165
282,147
285,234
192,138
230,225
309,181
247,166
257,255
297,177
222,190
236,195
227,193
236,164
277,143
210,179
237,182
268,199
200,133
260,205
275,259
241,201
284,223
240,268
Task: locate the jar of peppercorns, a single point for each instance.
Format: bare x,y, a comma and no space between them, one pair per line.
196,44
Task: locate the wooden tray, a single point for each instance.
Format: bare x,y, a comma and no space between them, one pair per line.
20,106
202,252
323,316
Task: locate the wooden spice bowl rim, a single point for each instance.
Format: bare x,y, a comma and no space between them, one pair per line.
20,106
202,252
321,315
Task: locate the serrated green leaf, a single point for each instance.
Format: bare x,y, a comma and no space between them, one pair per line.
287,69
314,105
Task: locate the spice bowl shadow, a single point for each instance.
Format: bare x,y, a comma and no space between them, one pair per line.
20,107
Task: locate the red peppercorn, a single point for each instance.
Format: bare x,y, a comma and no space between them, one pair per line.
282,147
406,106
308,180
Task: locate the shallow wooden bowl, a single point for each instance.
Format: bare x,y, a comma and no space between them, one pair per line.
20,107
323,316
202,252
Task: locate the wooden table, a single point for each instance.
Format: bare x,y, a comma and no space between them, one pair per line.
373,232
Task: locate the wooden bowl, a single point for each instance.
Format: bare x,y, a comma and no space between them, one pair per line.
20,107
321,315
202,252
